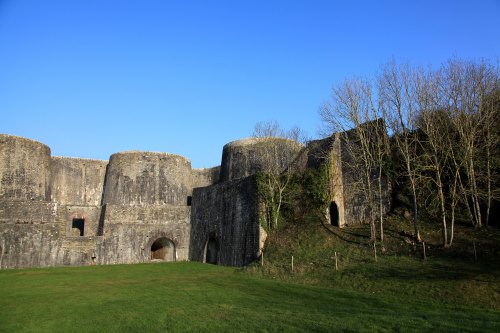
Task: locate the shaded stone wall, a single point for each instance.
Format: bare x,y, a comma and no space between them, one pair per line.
355,199
77,181
228,213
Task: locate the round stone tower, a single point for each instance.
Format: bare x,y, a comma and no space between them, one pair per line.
24,169
245,157
147,178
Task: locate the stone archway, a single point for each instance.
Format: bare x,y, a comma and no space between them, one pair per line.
163,249
334,214
212,251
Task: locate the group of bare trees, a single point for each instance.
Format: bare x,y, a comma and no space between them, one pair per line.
352,112
277,150
444,138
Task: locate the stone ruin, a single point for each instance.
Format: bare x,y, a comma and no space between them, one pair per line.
139,206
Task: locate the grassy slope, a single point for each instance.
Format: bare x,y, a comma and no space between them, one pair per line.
197,297
450,276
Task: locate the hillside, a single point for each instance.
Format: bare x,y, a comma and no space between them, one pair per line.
455,275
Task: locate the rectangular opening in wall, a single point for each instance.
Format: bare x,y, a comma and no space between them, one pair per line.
189,199
77,227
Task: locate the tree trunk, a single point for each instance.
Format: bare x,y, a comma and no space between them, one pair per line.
381,206
443,216
415,211
475,196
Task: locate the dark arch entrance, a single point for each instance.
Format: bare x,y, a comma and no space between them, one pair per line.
163,249
212,251
334,214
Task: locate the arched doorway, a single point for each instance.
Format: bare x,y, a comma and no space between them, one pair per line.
163,249
334,214
212,251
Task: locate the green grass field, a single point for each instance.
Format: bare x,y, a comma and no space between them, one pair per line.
195,297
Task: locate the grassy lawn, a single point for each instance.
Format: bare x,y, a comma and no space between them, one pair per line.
194,297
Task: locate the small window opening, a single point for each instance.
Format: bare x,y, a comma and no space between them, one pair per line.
189,200
78,226
334,214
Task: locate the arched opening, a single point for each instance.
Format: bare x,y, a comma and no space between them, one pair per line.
334,214
163,249
212,251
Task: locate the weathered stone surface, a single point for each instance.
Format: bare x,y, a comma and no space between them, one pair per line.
89,214
27,212
41,245
262,240
243,158
205,177
77,181
131,230
227,213
344,177
142,178
328,151
24,169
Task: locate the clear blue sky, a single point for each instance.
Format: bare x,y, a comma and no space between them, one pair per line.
90,78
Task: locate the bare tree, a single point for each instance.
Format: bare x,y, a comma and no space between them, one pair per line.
352,112
277,148
397,97
435,143
467,88
444,125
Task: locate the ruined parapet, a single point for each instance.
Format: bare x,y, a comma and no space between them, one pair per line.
77,181
147,178
246,157
24,169
206,176
318,151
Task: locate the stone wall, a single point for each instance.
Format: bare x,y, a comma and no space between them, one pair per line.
205,177
27,212
355,200
144,206
24,169
31,235
130,231
328,152
77,181
245,157
142,178
226,213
